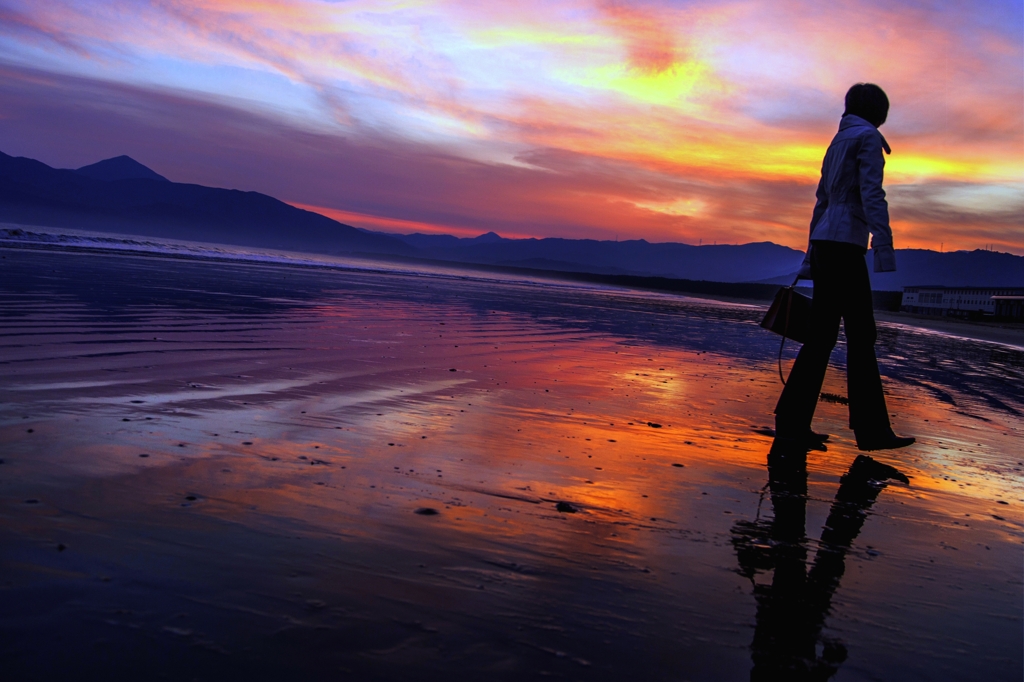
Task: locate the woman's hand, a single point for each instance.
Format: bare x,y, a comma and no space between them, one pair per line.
885,258
805,268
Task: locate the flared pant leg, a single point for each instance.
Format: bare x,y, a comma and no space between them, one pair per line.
868,412
796,405
842,292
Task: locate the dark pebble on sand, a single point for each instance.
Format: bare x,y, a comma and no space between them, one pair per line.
566,508
143,455
190,498
426,511
678,465
653,425
997,517
452,369
246,442
997,501
126,419
30,430
31,501
61,547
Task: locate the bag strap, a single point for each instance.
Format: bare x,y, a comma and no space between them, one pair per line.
785,328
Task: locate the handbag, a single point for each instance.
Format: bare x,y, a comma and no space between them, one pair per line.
790,316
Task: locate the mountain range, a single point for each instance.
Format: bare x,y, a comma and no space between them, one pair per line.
123,196
725,263
760,262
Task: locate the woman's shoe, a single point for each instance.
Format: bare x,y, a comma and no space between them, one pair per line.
809,440
800,434
883,441
817,437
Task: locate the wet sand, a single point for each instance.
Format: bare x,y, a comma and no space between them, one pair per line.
253,471
1005,333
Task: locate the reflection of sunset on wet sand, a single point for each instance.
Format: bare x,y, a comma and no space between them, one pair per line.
227,470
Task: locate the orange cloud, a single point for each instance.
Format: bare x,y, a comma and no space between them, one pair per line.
650,44
680,123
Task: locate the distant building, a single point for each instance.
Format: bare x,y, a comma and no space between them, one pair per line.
1009,307
965,302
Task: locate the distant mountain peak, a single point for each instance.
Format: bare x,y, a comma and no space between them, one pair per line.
119,168
121,195
488,238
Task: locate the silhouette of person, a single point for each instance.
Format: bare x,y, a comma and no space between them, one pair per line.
850,206
791,610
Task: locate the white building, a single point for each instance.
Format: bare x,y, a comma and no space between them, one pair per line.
970,302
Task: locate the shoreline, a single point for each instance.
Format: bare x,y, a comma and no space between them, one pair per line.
1005,333
743,293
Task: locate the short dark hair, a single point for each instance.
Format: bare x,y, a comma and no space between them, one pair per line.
868,101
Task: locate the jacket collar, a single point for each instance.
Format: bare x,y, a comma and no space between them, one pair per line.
851,120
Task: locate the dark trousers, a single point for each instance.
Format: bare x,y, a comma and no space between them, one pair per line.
842,291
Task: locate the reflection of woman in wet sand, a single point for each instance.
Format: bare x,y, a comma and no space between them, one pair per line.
851,205
791,610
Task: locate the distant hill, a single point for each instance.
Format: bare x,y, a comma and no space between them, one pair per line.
761,263
121,195
724,263
952,269
119,168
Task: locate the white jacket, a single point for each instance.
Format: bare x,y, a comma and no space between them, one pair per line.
851,202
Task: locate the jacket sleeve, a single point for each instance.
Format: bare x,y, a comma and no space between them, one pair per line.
822,203
819,210
870,163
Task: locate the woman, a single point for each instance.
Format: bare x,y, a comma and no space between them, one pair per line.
851,205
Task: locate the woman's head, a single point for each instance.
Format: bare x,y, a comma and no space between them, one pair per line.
868,101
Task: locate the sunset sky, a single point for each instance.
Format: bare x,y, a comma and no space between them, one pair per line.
669,121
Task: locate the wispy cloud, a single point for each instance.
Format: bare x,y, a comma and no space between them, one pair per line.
580,117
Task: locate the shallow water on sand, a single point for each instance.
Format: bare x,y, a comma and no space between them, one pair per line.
254,471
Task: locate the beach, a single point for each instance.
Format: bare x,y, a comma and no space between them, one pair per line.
257,470
1005,333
